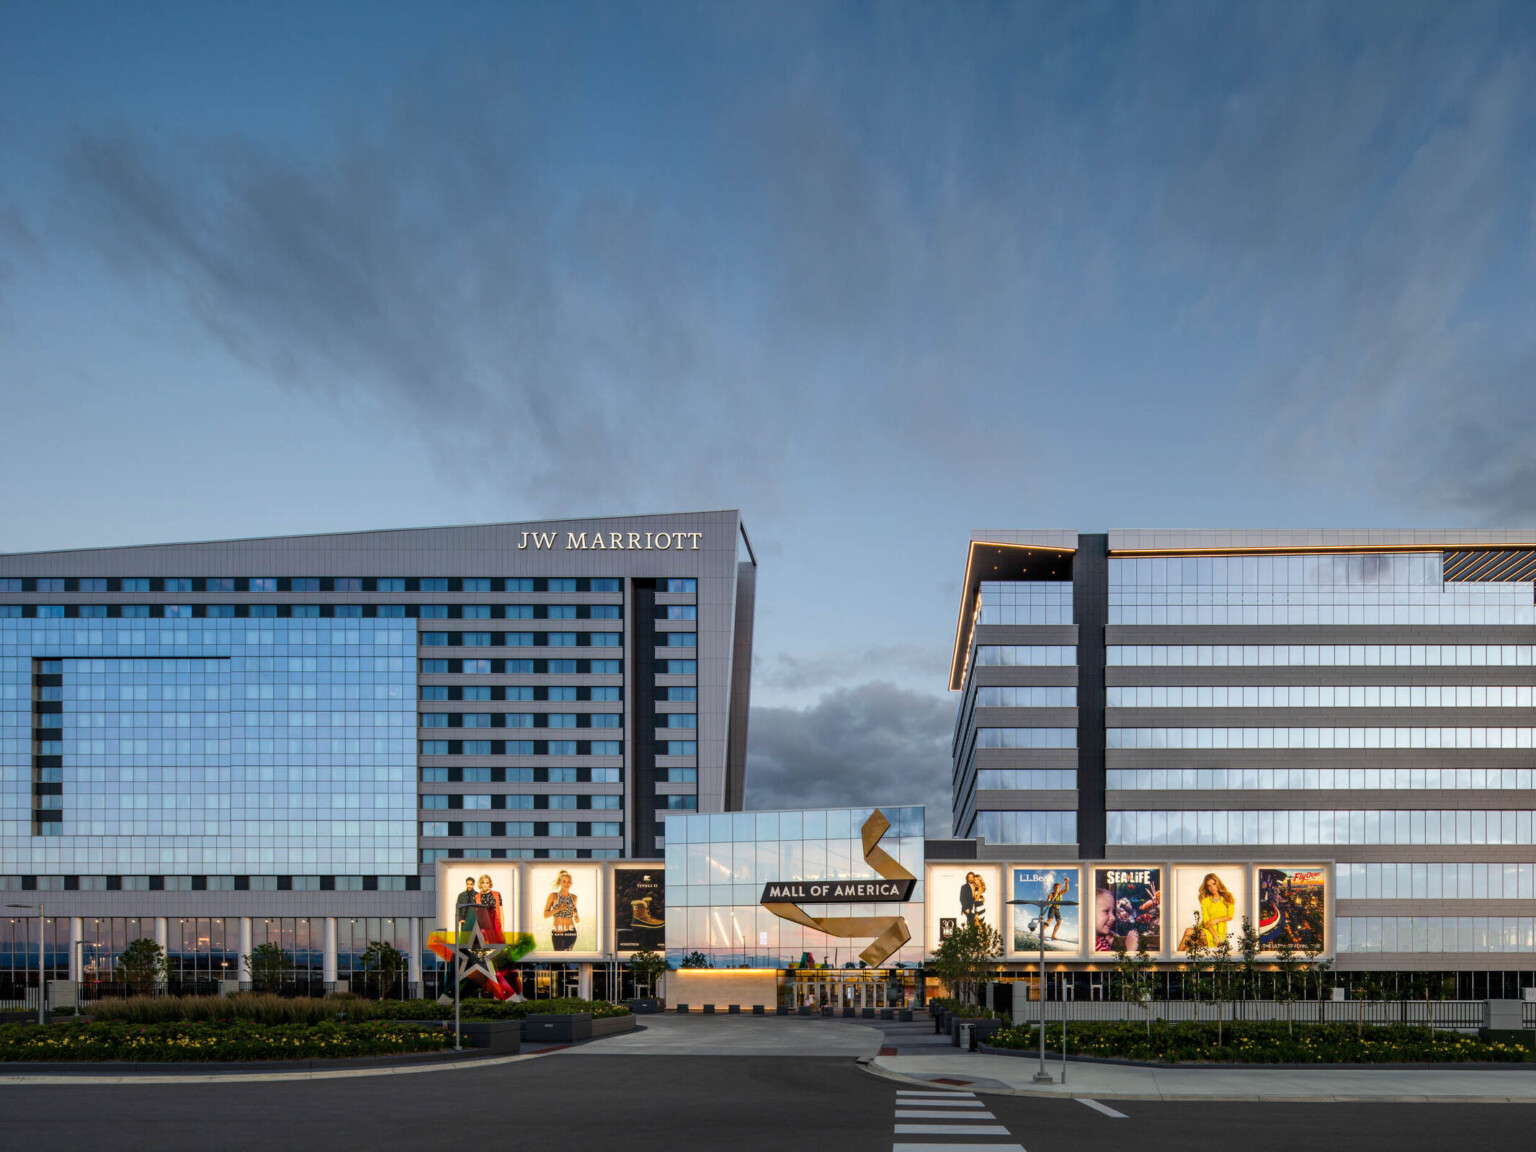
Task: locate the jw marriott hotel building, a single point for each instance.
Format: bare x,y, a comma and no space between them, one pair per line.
222,744
1361,702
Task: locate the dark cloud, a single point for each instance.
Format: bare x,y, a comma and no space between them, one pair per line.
871,744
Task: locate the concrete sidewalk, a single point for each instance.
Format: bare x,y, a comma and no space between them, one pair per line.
1011,1075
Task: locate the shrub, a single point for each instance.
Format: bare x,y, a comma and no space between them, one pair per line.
1263,1043
255,1007
240,1040
495,1009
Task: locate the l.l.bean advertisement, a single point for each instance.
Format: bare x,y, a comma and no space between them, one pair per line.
958,896
1053,914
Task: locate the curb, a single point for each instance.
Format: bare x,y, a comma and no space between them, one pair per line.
982,1086
1445,1066
245,1073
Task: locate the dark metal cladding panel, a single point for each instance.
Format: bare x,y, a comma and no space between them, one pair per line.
1090,609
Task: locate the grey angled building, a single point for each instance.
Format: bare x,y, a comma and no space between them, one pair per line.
228,743
1362,701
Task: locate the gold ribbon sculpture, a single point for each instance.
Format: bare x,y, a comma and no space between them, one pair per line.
890,932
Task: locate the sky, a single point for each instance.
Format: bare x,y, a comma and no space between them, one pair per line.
876,274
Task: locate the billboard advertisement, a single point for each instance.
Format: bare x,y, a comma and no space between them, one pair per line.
477,891
639,909
958,895
1127,909
1293,907
1059,923
565,907
1209,903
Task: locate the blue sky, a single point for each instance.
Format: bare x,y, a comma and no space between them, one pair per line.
877,274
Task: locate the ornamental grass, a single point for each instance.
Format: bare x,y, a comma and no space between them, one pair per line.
1270,1042
262,1008
216,1042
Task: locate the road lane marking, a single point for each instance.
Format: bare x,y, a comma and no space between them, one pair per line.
947,1092
957,1147
1104,1108
940,1114
952,1130
930,1102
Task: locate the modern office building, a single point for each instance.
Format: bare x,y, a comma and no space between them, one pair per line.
222,744
1356,704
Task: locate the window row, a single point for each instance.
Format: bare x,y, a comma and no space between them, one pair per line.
1326,826
433,855
521,667
1322,696
1025,602
143,883
609,694
1025,655
522,747
1361,570
1205,779
438,774
1350,612
1027,827
492,803
1322,655
1436,881
326,584
1320,737
531,639
1026,779
522,720
443,828
1021,697
1436,934
1026,737
316,611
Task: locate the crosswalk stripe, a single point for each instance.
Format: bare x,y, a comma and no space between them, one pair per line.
957,1147
1104,1108
940,1114
937,1092
939,1102
951,1130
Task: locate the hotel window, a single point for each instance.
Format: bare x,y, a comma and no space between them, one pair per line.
562,720
610,720
519,584
476,692
263,583
434,667
347,584
434,584
674,694
607,612
560,639
517,639
434,692
135,611
221,883
477,667
604,667
51,584
476,612
305,584
606,639
434,748
477,775
178,611
349,883
519,612
136,584
434,639
562,692
93,611
562,612
604,584
10,611
678,748
677,667
177,584
562,828
477,802
305,611
432,612
306,883
263,611
607,829
93,584
684,586
477,828
219,584
680,775
434,719
562,748
475,584
677,720
434,828
678,802
434,801
561,584
518,802
608,802
678,639
606,748
177,883
562,802
349,611
677,612
519,828
477,747
519,692
220,611
390,584
477,720
519,719
50,611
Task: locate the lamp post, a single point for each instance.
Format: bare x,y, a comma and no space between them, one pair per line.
42,973
1042,1076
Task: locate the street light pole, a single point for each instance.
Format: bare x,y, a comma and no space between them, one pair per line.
42,976
1042,1076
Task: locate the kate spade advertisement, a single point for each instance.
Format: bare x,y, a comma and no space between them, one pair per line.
565,907
958,895
477,892
1209,904
639,909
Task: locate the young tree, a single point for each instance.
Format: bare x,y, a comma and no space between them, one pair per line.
1220,961
267,965
1196,955
966,958
1286,965
142,965
382,963
695,960
1134,974
1248,959
646,966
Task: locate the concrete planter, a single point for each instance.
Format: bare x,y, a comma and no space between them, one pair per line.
644,1006
609,1025
500,1037
558,1029
904,1015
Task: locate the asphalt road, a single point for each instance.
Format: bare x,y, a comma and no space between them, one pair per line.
655,1103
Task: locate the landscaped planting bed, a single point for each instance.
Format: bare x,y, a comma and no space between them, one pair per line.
236,1041
497,1009
1263,1043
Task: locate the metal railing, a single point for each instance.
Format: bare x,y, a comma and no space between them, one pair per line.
1456,1014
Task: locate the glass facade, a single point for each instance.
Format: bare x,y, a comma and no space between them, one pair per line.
717,865
1025,602
1321,826
1405,588
217,746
